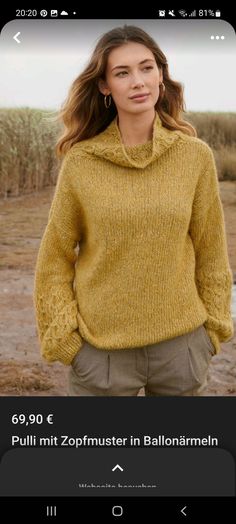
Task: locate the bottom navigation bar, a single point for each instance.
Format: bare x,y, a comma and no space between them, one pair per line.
117,509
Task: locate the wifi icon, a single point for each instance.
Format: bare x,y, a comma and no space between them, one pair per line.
183,12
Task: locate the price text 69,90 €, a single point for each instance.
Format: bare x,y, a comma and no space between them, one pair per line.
32,418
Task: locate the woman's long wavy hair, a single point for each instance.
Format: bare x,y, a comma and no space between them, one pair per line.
83,112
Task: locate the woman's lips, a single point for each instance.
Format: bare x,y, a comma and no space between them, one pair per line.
140,97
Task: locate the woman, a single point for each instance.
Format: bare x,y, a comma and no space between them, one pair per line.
146,300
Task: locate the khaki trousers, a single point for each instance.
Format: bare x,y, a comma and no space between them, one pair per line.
174,367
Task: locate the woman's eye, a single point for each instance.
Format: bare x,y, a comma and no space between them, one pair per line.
121,73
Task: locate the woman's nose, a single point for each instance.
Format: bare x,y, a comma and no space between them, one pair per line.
137,81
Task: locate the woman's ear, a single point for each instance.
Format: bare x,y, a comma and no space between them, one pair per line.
103,87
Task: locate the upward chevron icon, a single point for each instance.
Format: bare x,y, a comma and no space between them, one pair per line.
117,467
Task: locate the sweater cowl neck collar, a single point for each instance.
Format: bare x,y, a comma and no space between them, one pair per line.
108,145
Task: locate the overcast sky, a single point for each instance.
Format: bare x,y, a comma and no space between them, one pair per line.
39,71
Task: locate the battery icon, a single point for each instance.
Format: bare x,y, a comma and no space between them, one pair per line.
218,13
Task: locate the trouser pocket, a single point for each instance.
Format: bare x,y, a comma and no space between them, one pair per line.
200,352
91,367
105,372
210,344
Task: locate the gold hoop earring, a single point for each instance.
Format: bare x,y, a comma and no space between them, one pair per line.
107,103
163,87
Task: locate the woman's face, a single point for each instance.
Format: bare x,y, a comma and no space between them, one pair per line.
132,78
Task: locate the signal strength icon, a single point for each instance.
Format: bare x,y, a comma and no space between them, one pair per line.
194,13
183,13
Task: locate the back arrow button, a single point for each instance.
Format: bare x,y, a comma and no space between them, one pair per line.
15,37
183,511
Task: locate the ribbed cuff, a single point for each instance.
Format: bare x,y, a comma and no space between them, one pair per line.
69,348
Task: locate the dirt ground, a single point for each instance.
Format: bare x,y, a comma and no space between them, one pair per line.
22,370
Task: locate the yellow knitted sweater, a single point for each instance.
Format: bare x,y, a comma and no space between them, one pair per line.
135,249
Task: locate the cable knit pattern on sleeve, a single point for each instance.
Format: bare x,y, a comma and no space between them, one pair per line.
152,261
55,302
214,277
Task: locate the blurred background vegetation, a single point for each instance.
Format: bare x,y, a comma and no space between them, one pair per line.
27,141
28,136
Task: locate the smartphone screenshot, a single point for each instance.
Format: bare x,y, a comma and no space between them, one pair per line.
118,264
